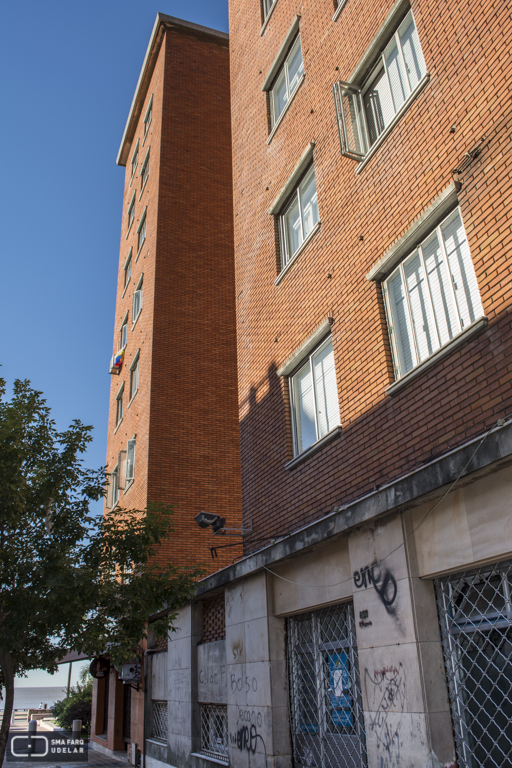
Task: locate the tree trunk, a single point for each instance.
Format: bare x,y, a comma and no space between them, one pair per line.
8,675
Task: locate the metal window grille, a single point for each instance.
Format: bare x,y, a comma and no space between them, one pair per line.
475,612
160,720
214,731
325,689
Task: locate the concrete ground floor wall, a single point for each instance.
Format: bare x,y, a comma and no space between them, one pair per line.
333,654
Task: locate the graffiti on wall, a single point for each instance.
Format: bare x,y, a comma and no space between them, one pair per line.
383,582
386,697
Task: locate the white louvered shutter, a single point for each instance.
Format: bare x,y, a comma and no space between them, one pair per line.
400,325
419,301
462,271
327,406
304,408
442,298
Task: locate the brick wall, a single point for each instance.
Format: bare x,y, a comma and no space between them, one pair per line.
467,53
214,619
185,414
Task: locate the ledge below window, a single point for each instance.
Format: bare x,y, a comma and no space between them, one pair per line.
297,253
218,761
329,437
472,330
405,106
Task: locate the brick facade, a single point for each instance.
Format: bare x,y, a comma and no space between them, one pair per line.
184,415
467,55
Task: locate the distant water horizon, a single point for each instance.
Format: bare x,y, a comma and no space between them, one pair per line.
31,698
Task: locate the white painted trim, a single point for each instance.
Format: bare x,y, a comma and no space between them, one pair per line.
267,19
146,128
425,222
305,348
134,170
293,180
285,110
405,106
385,31
297,253
472,330
146,159
339,9
281,55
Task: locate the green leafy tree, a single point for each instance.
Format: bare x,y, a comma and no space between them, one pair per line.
77,705
69,579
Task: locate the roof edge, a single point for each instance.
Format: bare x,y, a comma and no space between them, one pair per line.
163,22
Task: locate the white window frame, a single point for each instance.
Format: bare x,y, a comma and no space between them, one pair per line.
131,213
127,263
349,96
448,286
292,378
144,179
130,446
142,228
123,325
276,118
134,367
119,406
148,117
286,255
138,296
113,488
135,161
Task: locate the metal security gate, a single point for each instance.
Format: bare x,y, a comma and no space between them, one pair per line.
325,689
475,612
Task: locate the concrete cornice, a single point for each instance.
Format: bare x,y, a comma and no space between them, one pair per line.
427,482
162,24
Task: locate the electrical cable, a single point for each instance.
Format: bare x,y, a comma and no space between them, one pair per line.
499,423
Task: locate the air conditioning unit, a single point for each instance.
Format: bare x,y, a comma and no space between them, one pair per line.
131,673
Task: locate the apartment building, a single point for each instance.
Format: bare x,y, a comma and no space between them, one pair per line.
369,622
173,429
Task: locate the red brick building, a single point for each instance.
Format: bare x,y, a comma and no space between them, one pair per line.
173,428
370,621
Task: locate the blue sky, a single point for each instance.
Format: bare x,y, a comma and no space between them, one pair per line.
68,71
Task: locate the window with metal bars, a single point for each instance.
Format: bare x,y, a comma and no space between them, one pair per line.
432,295
475,612
159,729
214,731
325,689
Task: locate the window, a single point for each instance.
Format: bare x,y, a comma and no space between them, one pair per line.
299,217
326,712
214,731
432,295
113,488
268,6
128,268
148,116
144,171
137,301
141,232
119,405
287,80
365,113
124,333
130,461
314,398
131,212
159,729
135,159
134,377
